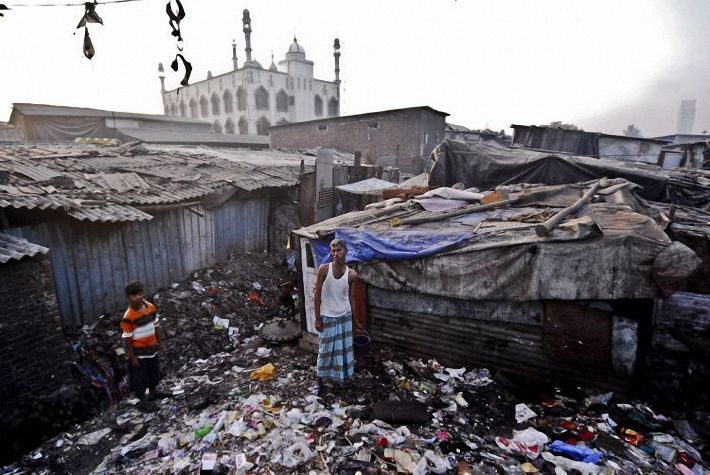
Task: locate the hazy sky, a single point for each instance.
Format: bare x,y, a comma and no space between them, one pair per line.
601,64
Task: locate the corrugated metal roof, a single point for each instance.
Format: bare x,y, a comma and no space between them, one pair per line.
109,213
119,181
12,247
103,212
35,172
105,183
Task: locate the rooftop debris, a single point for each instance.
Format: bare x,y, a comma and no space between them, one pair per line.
391,242
486,166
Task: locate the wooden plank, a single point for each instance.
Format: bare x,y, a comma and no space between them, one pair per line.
135,230
178,240
165,257
244,232
156,238
196,241
132,261
171,247
61,234
82,265
103,291
149,246
264,206
210,234
202,233
48,235
185,240
220,234
122,271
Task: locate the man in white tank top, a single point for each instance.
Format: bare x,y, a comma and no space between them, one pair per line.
334,304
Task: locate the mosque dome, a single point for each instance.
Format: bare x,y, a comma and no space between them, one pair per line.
253,63
296,48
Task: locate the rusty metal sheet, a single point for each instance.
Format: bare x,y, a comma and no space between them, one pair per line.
514,348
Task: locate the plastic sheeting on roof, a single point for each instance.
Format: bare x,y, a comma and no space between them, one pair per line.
395,245
371,186
486,166
607,251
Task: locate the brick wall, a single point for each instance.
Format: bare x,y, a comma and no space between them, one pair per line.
403,138
32,348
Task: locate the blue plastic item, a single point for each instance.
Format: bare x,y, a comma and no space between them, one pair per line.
395,245
576,452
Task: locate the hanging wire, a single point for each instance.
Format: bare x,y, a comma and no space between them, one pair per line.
79,4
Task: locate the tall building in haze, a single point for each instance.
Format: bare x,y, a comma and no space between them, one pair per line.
686,117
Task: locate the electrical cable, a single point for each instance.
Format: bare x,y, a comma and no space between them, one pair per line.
80,4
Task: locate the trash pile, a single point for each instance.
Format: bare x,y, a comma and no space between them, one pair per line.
235,403
251,410
200,316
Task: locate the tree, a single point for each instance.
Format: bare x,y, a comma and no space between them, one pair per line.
632,131
560,125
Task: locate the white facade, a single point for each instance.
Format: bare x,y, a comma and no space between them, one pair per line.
248,100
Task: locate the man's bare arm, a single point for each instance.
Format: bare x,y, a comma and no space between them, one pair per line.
129,351
320,278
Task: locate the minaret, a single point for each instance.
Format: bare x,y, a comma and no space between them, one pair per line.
161,75
234,55
246,21
336,55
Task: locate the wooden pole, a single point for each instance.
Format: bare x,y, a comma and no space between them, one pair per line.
450,214
545,228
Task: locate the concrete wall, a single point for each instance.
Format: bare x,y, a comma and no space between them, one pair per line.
403,138
32,348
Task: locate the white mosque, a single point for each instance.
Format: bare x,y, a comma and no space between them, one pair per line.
248,100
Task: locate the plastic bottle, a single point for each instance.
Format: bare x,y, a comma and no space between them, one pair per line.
203,431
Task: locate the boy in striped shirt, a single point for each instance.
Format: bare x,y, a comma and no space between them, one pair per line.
141,337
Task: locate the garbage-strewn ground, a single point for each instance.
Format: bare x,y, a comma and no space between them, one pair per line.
240,405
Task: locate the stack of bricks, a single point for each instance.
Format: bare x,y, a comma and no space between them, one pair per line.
32,347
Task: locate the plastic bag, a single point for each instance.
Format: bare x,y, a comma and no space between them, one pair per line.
265,373
579,453
523,413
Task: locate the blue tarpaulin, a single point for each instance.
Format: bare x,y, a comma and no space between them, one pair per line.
395,245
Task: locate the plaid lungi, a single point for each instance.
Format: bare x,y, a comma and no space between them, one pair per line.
335,347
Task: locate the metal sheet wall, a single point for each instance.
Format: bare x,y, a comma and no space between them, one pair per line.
92,262
506,337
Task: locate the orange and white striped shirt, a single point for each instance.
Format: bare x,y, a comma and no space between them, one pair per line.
139,326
